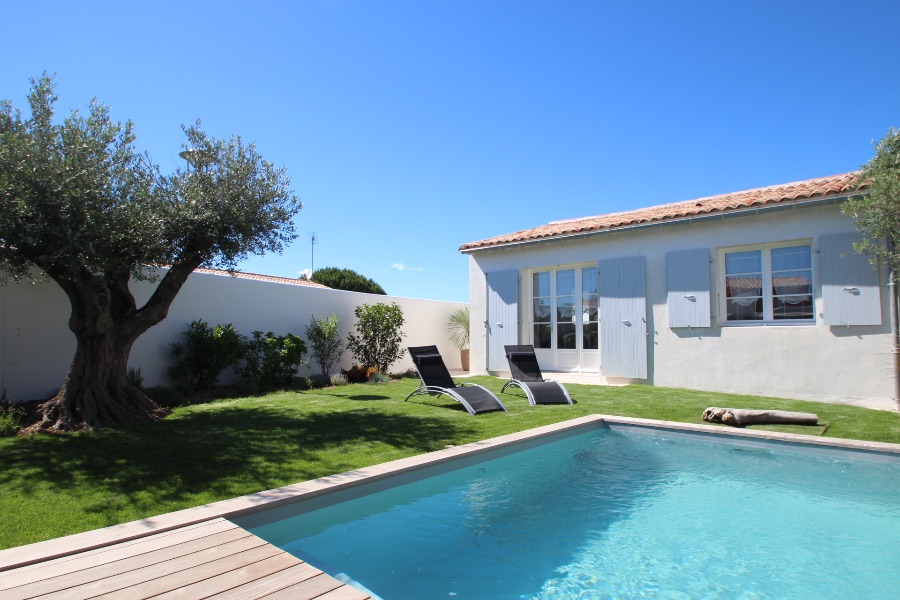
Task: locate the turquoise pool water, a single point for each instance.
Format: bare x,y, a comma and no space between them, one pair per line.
625,512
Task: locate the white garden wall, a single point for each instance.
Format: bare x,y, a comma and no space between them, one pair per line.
36,346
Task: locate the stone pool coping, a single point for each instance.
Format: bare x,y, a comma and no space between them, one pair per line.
252,503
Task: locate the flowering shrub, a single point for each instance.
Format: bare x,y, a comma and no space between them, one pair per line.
358,374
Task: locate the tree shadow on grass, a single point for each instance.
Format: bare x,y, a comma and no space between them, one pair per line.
219,453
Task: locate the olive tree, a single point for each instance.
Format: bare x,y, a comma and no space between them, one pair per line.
81,206
877,211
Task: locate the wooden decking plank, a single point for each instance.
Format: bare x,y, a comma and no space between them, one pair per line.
275,582
90,558
232,579
345,592
161,569
307,590
106,570
197,572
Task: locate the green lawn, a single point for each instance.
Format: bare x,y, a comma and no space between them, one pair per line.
54,486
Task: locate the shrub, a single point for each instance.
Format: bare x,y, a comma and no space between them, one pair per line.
339,379
378,335
325,337
407,374
270,361
358,374
206,352
10,417
379,377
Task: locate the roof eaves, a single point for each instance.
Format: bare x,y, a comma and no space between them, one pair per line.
712,212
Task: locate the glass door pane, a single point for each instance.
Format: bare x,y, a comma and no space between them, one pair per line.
565,310
541,310
589,322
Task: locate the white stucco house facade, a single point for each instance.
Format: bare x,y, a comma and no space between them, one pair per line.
756,292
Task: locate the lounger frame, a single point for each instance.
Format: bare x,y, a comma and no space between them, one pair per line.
444,377
524,380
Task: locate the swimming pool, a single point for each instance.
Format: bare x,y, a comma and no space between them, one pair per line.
611,512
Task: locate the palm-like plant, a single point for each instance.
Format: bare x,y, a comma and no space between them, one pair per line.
458,327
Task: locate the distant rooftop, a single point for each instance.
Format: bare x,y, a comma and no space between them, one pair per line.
822,187
270,278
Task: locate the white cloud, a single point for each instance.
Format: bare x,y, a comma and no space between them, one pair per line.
402,267
307,272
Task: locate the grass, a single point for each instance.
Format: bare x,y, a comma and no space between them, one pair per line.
55,486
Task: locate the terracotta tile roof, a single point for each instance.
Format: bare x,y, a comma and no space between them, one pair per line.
836,185
257,277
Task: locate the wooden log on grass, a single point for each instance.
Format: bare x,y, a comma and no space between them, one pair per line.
741,417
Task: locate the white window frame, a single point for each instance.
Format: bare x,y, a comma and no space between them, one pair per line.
767,295
578,293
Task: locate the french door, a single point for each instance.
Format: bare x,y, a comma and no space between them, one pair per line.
564,318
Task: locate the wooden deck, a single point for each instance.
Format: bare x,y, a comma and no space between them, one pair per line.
212,559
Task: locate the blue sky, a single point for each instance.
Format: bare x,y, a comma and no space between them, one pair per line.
411,127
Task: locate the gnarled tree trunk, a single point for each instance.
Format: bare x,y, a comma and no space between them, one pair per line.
106,323
97,391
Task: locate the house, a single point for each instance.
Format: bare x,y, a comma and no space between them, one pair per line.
756,292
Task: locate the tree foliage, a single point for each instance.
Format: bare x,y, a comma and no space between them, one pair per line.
80,204
877,210
325,338
346,279
376,342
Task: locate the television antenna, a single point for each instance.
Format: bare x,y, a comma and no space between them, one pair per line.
313,238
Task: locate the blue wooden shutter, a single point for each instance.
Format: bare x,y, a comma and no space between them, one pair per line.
502,316
851,294
623,317
687,282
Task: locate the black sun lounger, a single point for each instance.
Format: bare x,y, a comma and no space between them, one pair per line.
436,380
526,374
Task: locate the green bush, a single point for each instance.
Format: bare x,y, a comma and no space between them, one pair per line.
376,343
325,338
10,417
206,352
270,361
379,377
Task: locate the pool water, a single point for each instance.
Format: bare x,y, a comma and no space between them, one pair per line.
622,512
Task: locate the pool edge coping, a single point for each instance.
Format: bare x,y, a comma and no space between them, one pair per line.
20,556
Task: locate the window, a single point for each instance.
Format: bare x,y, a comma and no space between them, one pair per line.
768,283
564,307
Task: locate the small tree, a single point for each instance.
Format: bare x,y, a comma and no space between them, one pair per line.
877,212
346,279
325,337
378,335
